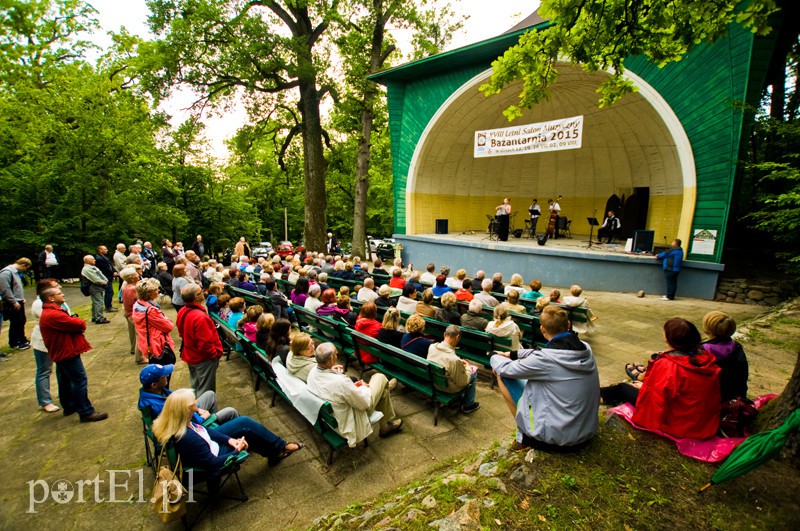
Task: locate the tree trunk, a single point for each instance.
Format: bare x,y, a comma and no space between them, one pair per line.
376,60
316,201
787,402
362,181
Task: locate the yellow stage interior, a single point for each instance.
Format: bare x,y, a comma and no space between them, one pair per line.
624,146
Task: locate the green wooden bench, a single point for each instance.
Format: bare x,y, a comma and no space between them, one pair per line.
250,297
326,329
336,283
285,286
380,276
326,423
226,334
417,373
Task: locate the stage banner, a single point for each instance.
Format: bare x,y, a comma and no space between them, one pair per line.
555,135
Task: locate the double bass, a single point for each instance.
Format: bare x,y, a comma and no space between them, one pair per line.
551,223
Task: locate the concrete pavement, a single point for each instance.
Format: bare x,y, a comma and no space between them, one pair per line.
44,450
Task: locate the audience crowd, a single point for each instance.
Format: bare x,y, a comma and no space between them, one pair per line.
552,391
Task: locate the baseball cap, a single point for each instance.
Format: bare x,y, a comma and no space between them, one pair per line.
153,373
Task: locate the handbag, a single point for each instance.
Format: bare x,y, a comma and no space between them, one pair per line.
167,356
169,495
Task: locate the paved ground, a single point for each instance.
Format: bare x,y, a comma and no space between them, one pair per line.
49,447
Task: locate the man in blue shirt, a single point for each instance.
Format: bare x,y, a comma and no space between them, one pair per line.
672,261
154,393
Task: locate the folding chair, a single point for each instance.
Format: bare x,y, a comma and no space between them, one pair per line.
192,476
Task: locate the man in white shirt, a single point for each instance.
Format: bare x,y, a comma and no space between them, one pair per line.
429,277
367,293
352,403
485,295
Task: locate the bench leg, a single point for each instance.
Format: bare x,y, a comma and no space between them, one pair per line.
256,383
329,461
274,396
436,413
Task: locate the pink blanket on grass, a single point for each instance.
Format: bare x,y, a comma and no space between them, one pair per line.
711,450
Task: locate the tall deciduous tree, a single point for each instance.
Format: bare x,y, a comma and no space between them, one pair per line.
366,48
226,48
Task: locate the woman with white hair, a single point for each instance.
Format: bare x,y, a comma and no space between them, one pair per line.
576,300
313,302
209,448
504,326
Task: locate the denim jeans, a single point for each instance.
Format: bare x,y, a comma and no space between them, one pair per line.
259,439
44,366
96,293
469,396
73,386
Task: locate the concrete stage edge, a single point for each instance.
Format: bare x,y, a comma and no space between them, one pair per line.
558,266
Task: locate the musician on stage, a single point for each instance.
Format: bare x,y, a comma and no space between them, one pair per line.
535,211
610,228
502,213
552,225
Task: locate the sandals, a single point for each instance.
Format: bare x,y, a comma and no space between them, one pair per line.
286,453
51,408
635,371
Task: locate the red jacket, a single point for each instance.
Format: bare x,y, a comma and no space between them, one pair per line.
62,334
200,338
368,327
679,398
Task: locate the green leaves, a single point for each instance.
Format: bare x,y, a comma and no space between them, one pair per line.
601,34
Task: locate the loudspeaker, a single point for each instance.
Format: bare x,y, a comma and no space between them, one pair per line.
643,241
518,233
541,239
441,226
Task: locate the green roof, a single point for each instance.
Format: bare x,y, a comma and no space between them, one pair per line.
479,52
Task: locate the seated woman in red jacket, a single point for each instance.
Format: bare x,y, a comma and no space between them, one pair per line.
680,394
368,325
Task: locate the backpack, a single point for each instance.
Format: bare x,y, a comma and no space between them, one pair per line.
736,417
85,285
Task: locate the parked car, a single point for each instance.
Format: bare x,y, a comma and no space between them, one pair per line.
285,249
264,249
373,244
385,250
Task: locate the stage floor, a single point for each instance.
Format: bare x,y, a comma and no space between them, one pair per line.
578,243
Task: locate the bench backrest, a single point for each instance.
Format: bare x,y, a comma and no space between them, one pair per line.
227,334
336,283
250,297
412,367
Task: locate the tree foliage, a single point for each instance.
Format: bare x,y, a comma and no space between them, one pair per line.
225,49
601,34
76,149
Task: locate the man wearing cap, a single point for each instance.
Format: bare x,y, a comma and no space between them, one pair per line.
154,393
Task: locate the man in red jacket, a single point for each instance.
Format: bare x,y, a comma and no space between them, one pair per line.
202,348
63,337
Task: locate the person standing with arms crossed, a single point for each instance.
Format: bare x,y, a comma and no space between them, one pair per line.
672,260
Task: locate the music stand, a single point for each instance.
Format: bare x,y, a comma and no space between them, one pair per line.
592,223
492,227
